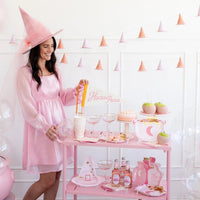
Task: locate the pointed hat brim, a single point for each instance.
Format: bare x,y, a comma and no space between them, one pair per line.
27,46
37,33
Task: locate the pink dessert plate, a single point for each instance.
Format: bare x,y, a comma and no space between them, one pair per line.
82,182
155,114
117,141
143,189
88,139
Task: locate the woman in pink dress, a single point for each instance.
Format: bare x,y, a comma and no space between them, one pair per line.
42,98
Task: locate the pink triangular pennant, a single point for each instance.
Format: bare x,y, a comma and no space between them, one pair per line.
80,64
122,40
160,28
141,34
64,59
160,67
198,12
99,66
103,42
13,40
180,63
117,67
85,44
180,20
60,44
141,68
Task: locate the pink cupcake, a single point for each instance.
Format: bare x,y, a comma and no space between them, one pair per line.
149,108
163,138
161,108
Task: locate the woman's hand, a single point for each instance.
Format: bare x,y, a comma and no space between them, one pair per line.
83,82
52,133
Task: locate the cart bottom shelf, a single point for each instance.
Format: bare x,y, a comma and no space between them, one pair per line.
74,189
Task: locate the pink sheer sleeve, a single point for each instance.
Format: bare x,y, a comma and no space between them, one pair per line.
68,96
27,102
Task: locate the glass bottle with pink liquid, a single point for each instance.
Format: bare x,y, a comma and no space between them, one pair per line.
122,170
127,176
116,174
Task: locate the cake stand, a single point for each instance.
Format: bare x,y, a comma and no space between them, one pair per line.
162,117
126,127
154,115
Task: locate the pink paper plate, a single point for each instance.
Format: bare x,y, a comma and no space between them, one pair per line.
118,141
155,114
81,181
88,139
143,189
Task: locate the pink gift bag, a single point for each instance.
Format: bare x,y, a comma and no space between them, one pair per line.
139,174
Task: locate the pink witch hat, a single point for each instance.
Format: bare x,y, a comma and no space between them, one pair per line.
60,44
160,66
180,63
13,40
122,40
141,34
160,28
85,44
180,20
103,42
80,64
99,66
36,32
142,67
198,12
117,67
64,59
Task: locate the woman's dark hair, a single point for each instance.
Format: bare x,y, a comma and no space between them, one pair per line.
34,56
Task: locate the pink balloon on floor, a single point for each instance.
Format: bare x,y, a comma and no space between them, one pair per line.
6,178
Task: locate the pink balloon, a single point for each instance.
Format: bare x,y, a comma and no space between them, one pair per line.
6,178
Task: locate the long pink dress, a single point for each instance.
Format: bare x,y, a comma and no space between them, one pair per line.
41,109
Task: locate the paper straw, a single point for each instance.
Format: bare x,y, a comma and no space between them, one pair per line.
83,97
77,99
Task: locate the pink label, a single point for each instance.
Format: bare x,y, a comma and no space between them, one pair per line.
116,179
127,181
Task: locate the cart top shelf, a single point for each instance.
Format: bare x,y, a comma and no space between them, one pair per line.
131,143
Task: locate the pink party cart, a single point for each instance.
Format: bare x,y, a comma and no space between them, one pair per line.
71,188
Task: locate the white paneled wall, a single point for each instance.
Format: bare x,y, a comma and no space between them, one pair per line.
178,88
